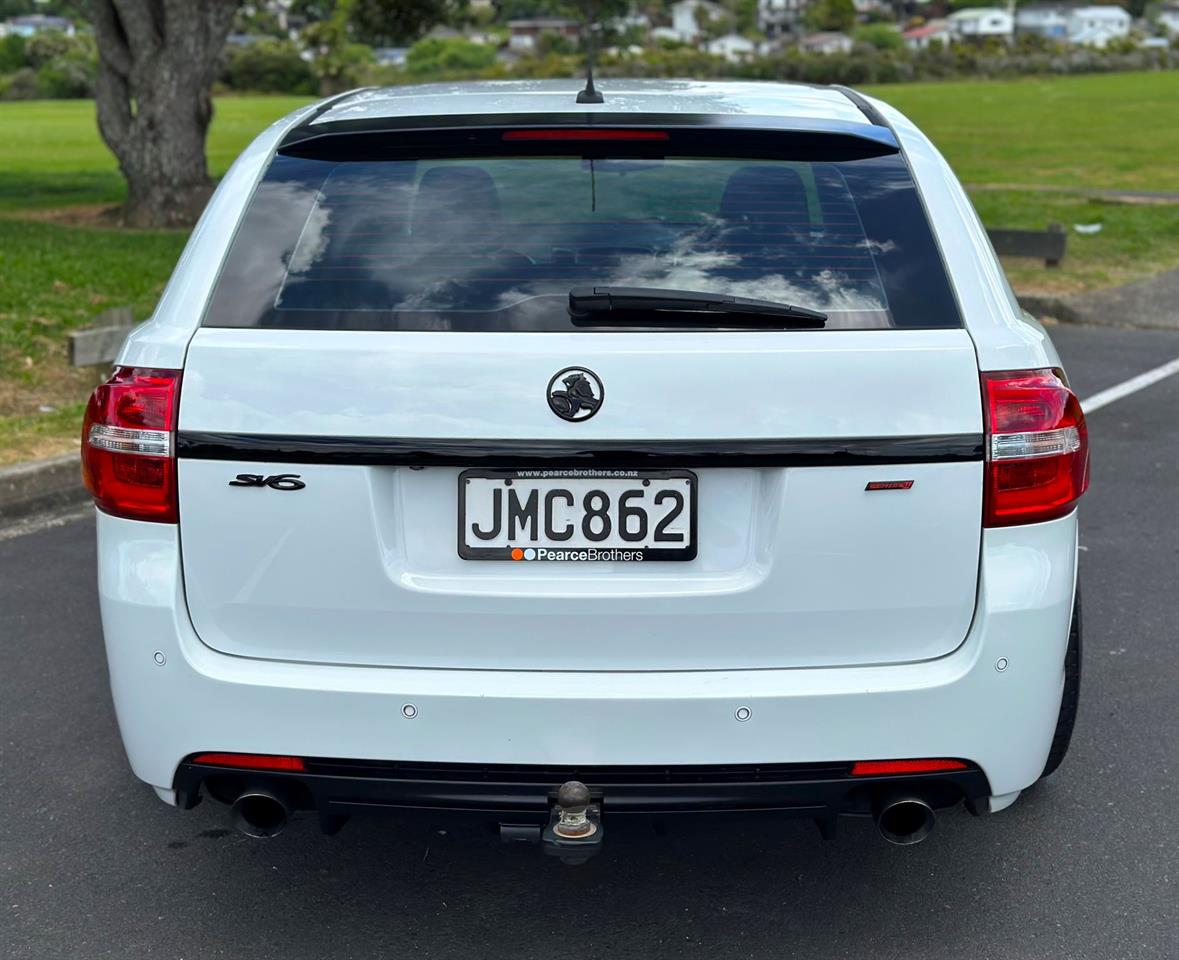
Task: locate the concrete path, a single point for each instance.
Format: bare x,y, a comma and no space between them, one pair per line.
1152,303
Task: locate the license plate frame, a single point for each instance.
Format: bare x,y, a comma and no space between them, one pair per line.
552,478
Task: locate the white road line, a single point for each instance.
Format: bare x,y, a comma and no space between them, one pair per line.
1127,387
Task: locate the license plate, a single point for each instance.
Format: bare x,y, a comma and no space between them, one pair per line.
562,516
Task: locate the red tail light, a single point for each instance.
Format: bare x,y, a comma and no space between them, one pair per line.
252,761
1037,447
128,450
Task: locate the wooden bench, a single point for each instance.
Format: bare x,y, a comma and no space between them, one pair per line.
1047,245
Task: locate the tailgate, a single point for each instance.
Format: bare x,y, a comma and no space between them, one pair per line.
796,563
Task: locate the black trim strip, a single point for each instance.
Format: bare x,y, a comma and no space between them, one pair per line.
865,106
615,454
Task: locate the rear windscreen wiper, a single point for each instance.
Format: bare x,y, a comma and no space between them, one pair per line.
636,306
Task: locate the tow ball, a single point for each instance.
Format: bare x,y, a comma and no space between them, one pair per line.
574,832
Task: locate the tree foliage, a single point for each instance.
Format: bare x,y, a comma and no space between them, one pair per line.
258,20
397,22
339,62
882,36
71,9
744,13
12,53
441,55
48,65
312,10
270,66
42,47
837,15
571,9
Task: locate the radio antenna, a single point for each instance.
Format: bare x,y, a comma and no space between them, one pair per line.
590,94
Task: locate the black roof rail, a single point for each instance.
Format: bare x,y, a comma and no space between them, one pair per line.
875,117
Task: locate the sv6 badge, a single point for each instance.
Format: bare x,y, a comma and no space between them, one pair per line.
279,481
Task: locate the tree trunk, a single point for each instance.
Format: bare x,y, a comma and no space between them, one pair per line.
156,63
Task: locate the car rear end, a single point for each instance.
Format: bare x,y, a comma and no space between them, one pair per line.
399,525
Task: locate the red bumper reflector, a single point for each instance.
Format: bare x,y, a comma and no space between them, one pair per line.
874,768
252,761
576,134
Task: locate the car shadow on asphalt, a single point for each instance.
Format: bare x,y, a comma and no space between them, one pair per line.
761,883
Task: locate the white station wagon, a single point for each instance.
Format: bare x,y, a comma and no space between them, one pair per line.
499,454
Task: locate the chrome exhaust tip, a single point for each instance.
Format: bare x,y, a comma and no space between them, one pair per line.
905,820
259,813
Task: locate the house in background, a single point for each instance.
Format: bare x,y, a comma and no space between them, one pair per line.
687,18
31,24
1097,26
390,56
933,33
1169,17
1048,20
240,41
630,21
778,17
733,47
980,23
824,42
525,34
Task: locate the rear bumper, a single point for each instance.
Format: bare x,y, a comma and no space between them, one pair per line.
959,705
523,794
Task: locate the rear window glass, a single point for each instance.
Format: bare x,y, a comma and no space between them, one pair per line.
496,243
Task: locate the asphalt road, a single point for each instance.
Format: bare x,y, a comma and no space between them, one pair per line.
1085,865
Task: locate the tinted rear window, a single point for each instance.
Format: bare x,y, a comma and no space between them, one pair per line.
496,243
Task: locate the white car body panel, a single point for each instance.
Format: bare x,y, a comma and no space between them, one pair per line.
798,567
960,704
852,626
689,386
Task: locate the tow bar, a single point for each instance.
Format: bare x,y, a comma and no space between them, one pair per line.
574,832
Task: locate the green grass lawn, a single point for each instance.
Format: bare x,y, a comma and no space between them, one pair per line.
1136,240
1099,130
1114,130
51,153
55,278
1089,132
